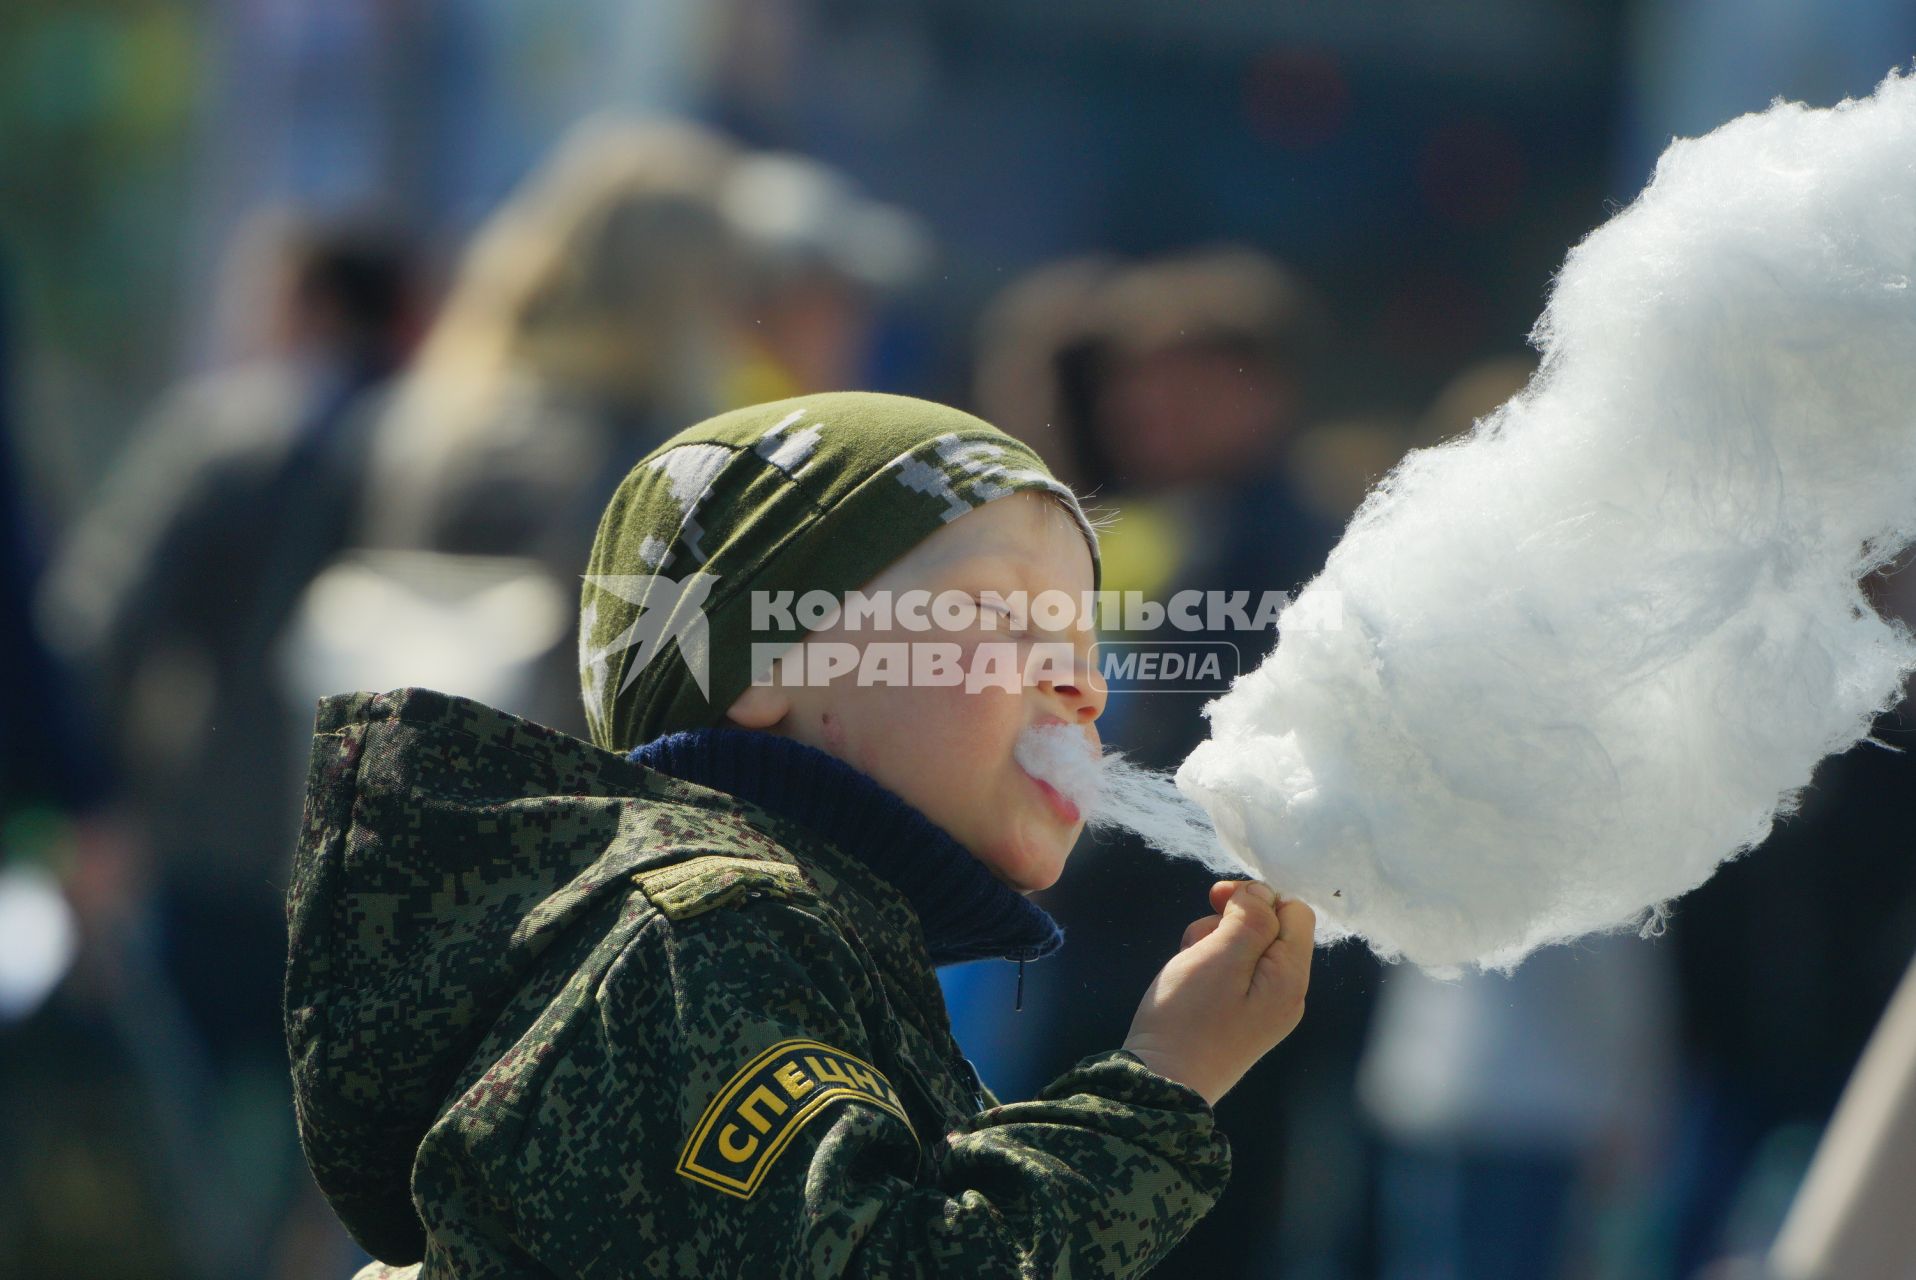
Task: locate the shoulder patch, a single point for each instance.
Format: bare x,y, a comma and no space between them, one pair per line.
752,1120
685,889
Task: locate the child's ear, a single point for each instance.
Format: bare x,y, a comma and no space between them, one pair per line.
760,707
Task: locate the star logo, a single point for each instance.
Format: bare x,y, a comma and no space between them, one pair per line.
670,613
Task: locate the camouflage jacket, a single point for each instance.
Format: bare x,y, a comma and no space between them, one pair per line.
551,1013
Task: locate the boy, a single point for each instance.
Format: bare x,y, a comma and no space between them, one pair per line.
665,1005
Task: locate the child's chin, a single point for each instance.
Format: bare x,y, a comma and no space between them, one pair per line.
1039,878
1027,877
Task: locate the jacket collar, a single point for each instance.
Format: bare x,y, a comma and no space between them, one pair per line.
966,913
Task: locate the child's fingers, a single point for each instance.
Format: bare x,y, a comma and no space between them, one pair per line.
1297,923
1198,930
1285,967
1221,893
1296,937
1249,919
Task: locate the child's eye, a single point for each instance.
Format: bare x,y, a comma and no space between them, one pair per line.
999,613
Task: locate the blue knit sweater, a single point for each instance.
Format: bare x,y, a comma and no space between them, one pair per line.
967,913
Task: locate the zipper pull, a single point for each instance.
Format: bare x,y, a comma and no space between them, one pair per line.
976,1082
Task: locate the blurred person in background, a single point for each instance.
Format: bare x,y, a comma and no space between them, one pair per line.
165,599
590,318
593,315
171,586
1519,1114
1034,345
1174,389
80,1191
819,258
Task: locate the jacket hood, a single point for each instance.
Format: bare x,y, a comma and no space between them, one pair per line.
445,846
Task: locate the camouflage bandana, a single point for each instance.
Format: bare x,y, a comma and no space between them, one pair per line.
820,492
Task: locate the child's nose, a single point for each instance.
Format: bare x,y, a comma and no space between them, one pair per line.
1084,694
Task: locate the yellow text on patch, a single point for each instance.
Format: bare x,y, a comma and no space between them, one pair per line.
761,1109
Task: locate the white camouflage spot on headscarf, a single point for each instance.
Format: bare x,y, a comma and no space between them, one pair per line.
788,453
689,472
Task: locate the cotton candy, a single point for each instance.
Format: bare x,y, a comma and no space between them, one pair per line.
1579,658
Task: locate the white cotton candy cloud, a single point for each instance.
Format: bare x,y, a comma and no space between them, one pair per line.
1593,649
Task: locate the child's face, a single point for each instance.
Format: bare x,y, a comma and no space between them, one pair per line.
945,748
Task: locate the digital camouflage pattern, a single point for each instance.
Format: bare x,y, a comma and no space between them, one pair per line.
815,493
552,1013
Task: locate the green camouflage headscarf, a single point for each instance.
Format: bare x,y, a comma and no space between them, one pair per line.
815,493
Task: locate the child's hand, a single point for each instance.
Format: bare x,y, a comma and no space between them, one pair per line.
1234,989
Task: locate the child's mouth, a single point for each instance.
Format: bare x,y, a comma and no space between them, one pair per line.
1065,810
1055,750
1082,782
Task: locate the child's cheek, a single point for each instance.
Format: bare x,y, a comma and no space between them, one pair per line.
962,716
960,738
989,704
917,735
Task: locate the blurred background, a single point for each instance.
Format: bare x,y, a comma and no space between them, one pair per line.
327,328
